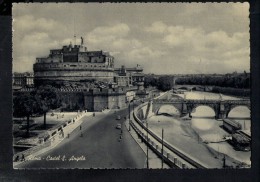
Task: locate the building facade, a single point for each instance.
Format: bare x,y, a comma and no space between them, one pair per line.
74,63
77,64
23,79
87,79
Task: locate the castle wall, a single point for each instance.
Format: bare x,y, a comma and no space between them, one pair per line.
56,58
70,57
92,100
113,102
97,59
53,58
72,72
72,100
122,101
39,67
83,57
100,102
88,102
82,73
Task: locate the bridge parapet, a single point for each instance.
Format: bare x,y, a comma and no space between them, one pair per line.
200,101
220,107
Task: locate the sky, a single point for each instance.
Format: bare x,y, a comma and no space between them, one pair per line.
164,38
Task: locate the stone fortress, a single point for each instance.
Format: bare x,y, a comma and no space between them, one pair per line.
87,79
74,63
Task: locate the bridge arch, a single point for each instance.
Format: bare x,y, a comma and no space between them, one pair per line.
235,107
170,109
197,106
183,88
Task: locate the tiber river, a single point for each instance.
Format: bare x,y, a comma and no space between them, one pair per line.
187,135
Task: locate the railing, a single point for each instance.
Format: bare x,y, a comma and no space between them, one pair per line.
166,144
173,162
29,151
50,139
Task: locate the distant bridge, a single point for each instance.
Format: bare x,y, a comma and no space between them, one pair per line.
187,106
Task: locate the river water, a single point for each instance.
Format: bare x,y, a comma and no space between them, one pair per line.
200,137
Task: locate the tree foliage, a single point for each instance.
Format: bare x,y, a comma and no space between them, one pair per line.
233,80
39,101
47,98
228,80
165,83
25,105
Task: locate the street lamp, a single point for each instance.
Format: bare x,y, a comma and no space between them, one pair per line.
224,161
147,160
162,148
129,109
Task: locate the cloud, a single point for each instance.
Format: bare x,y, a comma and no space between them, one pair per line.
31,46
34,37
144,53
182,36
28,22
191,44
162,37
24,64
156,27
107,33
126,44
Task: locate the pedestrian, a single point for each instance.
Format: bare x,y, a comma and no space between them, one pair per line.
62,133
22,159
80,127
17,158
68,135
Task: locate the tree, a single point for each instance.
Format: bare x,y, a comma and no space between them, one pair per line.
150,80
165,83
25,105
47,98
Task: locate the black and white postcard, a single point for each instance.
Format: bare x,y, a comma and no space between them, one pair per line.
131,86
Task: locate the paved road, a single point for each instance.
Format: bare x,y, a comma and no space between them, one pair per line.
99,147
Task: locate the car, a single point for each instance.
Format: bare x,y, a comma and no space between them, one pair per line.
118,117
118,126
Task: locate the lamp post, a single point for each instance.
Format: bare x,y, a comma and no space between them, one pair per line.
162,148
147,160
224,161
129,109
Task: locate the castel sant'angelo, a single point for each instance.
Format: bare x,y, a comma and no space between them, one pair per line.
88,79
77,64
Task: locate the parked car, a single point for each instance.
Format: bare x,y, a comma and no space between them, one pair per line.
118,126
118,117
